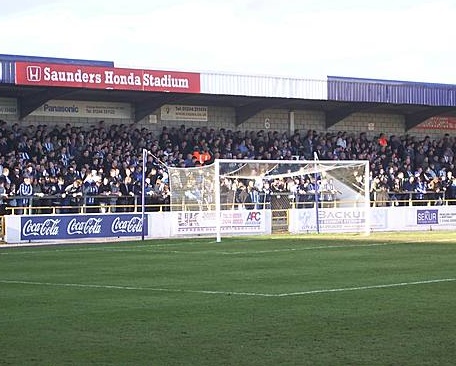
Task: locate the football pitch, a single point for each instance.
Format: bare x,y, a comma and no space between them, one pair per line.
385,299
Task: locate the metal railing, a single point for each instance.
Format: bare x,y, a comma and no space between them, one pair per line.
19,205
52,204
410,198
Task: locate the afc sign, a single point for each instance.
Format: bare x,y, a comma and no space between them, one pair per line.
253,217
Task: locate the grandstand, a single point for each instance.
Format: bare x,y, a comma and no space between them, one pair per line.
73,134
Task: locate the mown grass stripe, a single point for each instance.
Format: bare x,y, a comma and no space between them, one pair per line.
219,292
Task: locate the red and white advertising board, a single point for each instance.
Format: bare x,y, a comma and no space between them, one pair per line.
96,77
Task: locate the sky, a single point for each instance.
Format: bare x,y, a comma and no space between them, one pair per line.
410,40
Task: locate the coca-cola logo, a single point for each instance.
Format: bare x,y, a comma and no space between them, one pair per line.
49,227
134,225
90,226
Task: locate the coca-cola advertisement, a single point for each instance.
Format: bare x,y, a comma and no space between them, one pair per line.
84,226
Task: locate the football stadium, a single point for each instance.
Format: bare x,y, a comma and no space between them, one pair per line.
153,217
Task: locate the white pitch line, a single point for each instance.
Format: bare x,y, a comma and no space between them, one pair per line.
155,249
247,252
116,287
308,248
359,288
215,292
95,248
152,248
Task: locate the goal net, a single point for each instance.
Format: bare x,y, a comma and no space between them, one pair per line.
319,196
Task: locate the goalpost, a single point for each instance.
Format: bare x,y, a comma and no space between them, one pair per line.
233,196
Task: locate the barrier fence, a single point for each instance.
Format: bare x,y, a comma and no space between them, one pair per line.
283,214
278,201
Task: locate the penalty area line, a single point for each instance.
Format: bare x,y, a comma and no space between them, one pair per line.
137,288
342,246
371,287
216,292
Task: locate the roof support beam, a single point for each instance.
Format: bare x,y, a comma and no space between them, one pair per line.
149,105
243,113
337,115
334,116
27,105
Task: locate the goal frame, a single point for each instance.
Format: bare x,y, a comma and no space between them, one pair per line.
315,162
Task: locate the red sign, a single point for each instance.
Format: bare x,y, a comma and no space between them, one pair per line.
96,77
438,123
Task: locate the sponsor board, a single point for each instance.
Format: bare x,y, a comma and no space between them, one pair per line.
204,222
447,218
183,113
336,220
444,216
67,108
81,226
97,77
427,217
8,106
438,123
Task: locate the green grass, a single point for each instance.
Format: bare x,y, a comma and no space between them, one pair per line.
197,302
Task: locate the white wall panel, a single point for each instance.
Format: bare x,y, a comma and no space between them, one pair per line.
263,86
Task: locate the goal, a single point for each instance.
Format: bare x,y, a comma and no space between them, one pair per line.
241,196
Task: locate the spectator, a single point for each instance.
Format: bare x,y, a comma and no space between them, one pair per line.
25,193
72,152
73,196
90,192
57,192
382,140
126,199
3,197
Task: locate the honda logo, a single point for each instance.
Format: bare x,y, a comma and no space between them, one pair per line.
34,73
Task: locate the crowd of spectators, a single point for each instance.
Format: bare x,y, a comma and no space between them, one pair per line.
102,166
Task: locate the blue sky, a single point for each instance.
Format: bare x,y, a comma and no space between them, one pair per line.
399,40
